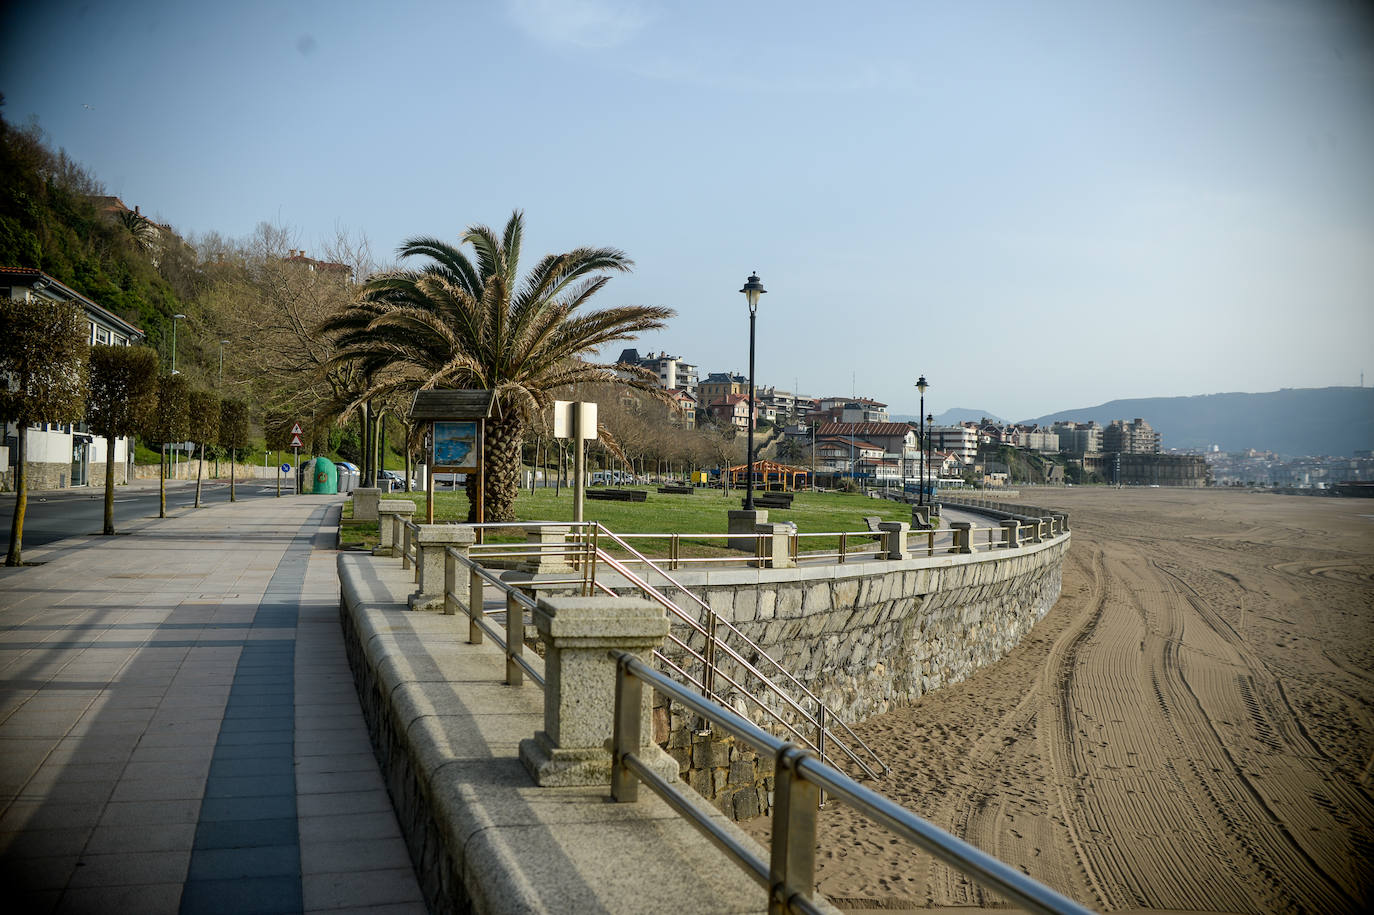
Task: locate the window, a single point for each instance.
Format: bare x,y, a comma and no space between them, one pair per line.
102,335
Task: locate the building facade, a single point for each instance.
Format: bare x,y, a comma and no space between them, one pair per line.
66,455
1135,437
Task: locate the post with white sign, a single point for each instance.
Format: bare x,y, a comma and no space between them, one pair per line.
576,420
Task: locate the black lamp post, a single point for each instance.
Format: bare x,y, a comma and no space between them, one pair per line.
752,290
921,385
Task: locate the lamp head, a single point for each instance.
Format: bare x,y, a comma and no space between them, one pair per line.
752,290
922,384
178,317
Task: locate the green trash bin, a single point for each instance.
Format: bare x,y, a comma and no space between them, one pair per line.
324,477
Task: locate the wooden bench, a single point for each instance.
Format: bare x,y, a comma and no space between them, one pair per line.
773,500
677,490
618,495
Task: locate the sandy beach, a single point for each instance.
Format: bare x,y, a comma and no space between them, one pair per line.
1187,730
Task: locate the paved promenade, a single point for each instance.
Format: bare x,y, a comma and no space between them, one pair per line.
179,730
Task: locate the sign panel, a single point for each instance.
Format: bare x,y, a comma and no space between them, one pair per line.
295,440
296,429
455,447
563,415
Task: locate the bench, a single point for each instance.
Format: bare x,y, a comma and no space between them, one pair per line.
618,495
773,500
676,490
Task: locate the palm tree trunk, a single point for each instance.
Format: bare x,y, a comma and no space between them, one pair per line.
501,465
21,496
109,485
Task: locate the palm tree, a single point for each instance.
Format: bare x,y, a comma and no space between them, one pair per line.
475,323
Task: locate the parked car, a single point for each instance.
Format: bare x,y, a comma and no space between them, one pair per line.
390,480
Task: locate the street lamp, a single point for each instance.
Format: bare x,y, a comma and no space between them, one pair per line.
175,319
752,290
921,385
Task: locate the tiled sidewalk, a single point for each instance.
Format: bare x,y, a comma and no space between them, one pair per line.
179,729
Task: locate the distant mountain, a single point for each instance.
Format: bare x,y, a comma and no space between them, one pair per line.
950,417
1291,421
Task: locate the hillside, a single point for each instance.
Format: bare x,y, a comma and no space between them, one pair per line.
1294,421
951,417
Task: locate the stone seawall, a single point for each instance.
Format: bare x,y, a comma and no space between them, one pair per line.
869,636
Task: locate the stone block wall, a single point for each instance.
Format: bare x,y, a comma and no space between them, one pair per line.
729,774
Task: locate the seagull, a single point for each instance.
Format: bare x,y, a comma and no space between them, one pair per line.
88,107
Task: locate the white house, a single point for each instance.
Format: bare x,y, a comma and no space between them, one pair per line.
65,455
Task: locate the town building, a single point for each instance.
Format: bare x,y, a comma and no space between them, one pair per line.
1135,437
718,385
960,441
1078,438
65,455
674,373
730,410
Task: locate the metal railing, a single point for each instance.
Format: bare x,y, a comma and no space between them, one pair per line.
725,672
789,874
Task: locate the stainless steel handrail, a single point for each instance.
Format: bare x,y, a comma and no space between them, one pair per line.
789,875
714,623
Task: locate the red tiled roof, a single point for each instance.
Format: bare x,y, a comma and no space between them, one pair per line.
883,429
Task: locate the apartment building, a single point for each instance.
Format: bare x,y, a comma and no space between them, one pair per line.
1135,437
1078,438
66,455
674,373
960,441
718,385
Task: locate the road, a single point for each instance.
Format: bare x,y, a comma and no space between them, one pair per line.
54,515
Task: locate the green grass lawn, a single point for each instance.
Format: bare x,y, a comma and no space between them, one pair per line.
703,512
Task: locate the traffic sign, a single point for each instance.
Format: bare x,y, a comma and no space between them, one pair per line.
295,440
296,430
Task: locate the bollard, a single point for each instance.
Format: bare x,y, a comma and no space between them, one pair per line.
895,539
962,536
392,514
579,634
431,541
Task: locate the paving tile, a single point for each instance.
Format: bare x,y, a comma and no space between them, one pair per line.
127,868
43,843
246,833
261,895
330,829
35,874
334,782
249,861
277,763
343,803
228,786
378,887
144,837
356,855
248,808
394,908
158,789
29,814
140,899
139,813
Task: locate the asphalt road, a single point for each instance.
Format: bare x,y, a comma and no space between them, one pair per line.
54,515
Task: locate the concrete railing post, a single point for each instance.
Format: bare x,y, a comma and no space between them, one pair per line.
392,514
962,536
579,634
777,538
365,500
430,544
550,541
894,538
1011,533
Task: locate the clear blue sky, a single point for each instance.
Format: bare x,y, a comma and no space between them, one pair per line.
1039,205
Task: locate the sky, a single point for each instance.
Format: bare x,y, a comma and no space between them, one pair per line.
1037,205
